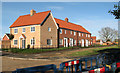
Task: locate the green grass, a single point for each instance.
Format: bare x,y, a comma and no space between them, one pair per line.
89,51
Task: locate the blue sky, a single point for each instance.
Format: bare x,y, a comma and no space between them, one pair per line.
91,15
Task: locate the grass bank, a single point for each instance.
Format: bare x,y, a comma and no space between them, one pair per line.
92,51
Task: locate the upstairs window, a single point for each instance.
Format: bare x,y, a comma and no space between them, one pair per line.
23,30
32,29
70,32
49,42
15,42
60,31
65,31
74,33
79,34
15,30
82,34
86,35
49,29
33,41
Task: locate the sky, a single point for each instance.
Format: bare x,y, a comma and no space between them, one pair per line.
91,15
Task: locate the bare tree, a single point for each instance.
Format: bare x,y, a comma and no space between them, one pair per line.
108,33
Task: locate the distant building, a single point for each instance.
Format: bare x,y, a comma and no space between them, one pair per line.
6,41
93,39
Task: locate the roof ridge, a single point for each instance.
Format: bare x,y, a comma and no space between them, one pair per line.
36,13
69,22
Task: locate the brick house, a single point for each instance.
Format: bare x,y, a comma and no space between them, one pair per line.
6,41
42,30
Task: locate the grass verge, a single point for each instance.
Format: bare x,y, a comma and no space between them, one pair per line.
89,52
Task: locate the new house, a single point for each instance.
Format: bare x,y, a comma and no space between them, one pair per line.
42,30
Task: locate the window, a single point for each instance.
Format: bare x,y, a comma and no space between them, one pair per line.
74,33
15,42
49,42
60,31
15,30
23,30
71,32
82,34
86,35
49,29
60,42
32,29
65,31
74,42
79,33
33,41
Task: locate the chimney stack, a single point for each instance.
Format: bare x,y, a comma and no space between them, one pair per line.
32,12
66,19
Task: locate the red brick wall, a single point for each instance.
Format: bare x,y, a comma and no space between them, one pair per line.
76,37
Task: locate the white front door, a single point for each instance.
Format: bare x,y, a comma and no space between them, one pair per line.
86,43
65,42
82,42
71,42
23,44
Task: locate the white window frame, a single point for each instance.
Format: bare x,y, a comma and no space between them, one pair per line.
70,32
82,34
86,35
32,29
61,41
31,41
50,41
74,33
65,31
74,42
79,34
60,31
79,42
15,31
23,31
14,42
49,29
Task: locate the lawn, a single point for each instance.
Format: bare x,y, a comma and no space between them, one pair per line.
92,51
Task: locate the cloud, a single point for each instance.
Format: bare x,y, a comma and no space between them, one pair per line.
55,7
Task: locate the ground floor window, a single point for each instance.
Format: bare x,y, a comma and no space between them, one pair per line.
49,42
60,42
33,41
74,42
15,42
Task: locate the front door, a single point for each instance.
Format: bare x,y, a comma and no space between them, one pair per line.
23,43
86,43
65,42
71,42
82,43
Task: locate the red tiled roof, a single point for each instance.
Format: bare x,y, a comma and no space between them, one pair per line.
38,18
24,20
93,37
69,25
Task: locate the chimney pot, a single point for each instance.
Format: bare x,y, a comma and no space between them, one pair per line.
66,19
32,12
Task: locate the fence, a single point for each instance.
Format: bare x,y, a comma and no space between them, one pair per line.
80,65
